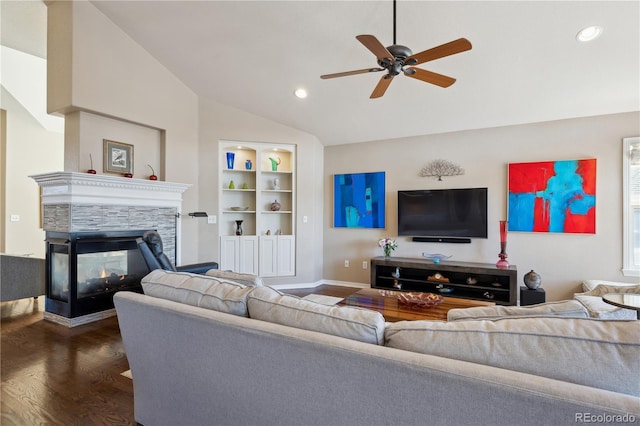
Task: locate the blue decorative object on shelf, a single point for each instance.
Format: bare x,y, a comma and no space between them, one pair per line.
248,164
231,156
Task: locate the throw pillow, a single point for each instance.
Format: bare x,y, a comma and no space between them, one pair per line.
267,304
565,308
246,279
588,285
590,352
598,308
198,290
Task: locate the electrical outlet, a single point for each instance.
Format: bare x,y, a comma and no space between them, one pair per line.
346,263
212,219
15,218
365,264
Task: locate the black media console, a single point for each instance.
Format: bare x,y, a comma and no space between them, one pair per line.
479,281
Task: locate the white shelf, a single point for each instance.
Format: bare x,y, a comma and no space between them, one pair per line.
275,256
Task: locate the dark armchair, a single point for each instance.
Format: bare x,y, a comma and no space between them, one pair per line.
150,245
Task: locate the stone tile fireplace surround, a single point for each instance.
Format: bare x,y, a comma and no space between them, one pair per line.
82,203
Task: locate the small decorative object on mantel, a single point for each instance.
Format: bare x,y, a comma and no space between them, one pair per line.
502,263
128,175
275,163
388,245
439,168
152,176
91,171
532,280
275,206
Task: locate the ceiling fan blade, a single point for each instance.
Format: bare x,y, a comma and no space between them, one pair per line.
451,48
372,43
346,73
429,77
384,82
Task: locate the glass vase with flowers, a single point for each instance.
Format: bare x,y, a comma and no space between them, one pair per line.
387,245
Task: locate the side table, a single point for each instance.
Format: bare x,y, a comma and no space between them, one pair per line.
624,300
531,297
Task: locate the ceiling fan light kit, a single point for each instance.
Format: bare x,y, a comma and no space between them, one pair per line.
396,59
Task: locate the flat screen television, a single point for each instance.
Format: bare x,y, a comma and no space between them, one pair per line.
443,213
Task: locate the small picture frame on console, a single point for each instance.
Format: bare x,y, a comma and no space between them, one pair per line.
118,157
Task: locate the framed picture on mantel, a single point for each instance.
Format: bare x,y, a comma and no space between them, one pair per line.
118,157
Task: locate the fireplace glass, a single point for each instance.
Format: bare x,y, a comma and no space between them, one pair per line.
87,269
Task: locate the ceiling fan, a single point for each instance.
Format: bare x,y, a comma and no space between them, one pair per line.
397,58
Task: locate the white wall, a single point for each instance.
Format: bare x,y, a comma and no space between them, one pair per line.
219,122
562,260
30,149
95,68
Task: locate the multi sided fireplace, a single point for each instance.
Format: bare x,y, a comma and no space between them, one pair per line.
85,270
91,224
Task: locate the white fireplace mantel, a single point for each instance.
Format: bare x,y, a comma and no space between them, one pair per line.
86,188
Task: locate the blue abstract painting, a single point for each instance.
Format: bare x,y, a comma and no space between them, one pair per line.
359,200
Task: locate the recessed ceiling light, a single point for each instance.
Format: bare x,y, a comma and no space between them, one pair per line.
589,33
300,93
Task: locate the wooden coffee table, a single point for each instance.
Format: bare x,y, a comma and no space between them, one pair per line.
394,311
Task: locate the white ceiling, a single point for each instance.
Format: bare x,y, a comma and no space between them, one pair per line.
525,66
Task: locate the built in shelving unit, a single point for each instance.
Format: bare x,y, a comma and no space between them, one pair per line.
467,280
262,174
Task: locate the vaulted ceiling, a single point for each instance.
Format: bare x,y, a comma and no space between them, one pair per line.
525,65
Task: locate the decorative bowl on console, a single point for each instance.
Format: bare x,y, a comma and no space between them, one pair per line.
423,300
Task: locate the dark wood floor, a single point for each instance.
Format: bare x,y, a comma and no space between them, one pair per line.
56,375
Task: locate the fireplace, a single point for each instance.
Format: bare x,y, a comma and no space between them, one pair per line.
91,224
85,270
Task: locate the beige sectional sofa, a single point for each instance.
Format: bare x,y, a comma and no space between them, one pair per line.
212,350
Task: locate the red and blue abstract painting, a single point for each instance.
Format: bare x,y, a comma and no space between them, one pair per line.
553,196
359,200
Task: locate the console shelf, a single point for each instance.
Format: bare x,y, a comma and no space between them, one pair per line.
467,280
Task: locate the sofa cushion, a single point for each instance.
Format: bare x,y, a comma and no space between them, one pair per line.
198,290
588,285
565,308
246,279
598,308
601,354
268,304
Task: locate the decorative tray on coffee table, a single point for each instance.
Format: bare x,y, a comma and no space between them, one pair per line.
423,300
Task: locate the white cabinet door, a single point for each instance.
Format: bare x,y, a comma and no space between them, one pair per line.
268,256
277,255
286,255
239,254
229,253
248,255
